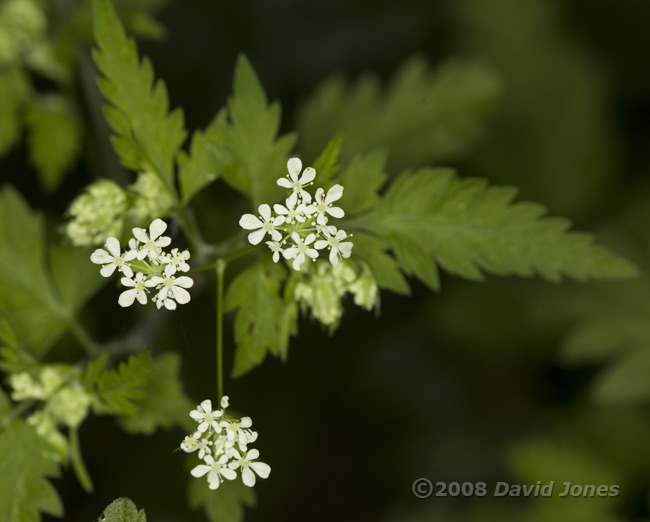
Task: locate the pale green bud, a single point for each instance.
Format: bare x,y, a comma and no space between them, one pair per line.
326,301
69,405
51,380
25,387
97,214
153,199
46,427
365,291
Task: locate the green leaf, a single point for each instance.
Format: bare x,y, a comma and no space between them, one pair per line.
263,323
15,92
27,461
372,251
147,137
431,218
28,299
118,391
257,157
225,504
625,380
54,139
327,164
362,179
164,404
421,116
123,510
201,167
75,278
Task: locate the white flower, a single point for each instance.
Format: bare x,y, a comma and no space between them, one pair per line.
334,242
300,250
172,287
176,261
234,431
323,204
276,248
296,182
206,417
245,462
137,289
190,443
293,213
152,243
225,402
216,470
261,227
112,259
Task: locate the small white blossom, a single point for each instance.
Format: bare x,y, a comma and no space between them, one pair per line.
334,241
225,402
296,182
276,248
206,417
176,261
300,250
323,204
216,470
112,259
263,226
137,289
246,463
293,213
154,242
235,430
190,443
171,288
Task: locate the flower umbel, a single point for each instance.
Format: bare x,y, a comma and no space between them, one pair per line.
223,446
156,268
299,228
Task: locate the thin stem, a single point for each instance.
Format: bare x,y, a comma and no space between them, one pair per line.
82,336
228,258
221,269
78,462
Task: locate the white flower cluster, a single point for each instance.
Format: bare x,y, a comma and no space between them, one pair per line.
145,265
222,442
299,228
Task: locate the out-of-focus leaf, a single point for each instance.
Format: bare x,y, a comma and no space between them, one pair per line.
15,91
225,504
123,510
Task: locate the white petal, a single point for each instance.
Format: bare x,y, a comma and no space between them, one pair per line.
206,405
252,454
346,249
255,238
141,297
127,282
250,222
184,281
140,234
294,166
296,238
279,220
336,212
130,255
265,211
334,257
113,246
321,219
228,473
170,304
290,253
248,477
127,298
246,422
181,295
126,270
292,200
334,194
157,227
101,257
276,257
310,239
200,470
170,270
262,469
306,196
320,244
284,182
300,259
156,280
276,235
107,271
203,427
164,241
319,195
307,176
280,209
341,235
312,253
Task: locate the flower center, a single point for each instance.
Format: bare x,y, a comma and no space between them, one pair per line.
268,226
150,245
119,261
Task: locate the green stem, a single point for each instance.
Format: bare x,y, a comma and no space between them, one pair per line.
221,269
228,258
82,336
78,462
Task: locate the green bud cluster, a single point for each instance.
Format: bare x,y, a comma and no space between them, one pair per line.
152,200
322,290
